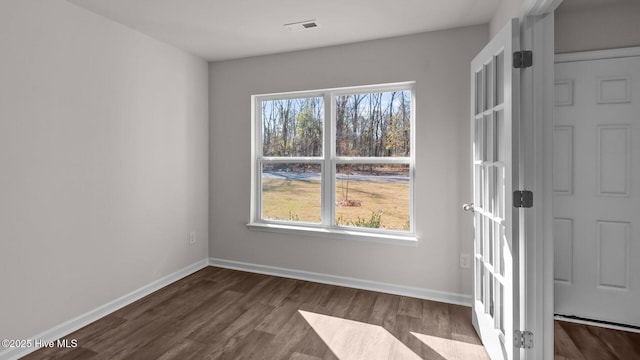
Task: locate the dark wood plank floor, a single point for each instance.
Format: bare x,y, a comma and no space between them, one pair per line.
579,341
225,314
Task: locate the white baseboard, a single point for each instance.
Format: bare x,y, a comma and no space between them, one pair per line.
421,293
72,325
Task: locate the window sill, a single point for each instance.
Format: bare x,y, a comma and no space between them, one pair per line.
336,233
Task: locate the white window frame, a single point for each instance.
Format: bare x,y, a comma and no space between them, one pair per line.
328,161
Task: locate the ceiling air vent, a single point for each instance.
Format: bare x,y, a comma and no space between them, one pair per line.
301,25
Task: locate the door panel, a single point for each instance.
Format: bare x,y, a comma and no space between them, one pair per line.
596,202
494,92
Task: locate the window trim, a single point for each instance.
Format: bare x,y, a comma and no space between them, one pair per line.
328,161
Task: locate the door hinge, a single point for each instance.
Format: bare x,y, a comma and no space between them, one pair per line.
522,59
522,199
523,339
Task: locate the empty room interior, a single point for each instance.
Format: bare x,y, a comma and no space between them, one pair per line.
279,179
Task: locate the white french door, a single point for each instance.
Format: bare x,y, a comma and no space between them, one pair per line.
494,131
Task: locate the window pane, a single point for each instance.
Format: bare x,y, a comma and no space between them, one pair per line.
292,127
374,124
291,192
373,195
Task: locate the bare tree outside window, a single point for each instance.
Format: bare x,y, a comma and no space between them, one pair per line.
368,167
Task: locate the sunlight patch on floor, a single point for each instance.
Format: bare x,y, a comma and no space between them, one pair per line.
452,349
352,340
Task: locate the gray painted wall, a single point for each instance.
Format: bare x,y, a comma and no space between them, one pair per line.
103,162
507,10
439,63
597,27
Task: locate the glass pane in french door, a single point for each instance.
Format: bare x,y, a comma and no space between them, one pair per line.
489,190
493,80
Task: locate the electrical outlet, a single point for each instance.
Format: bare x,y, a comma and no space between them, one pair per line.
192,238
465,261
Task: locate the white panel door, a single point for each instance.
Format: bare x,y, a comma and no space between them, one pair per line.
596,183
494,120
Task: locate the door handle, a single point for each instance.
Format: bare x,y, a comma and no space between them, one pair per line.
468,207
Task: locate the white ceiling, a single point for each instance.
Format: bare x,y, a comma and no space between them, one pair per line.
227,29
